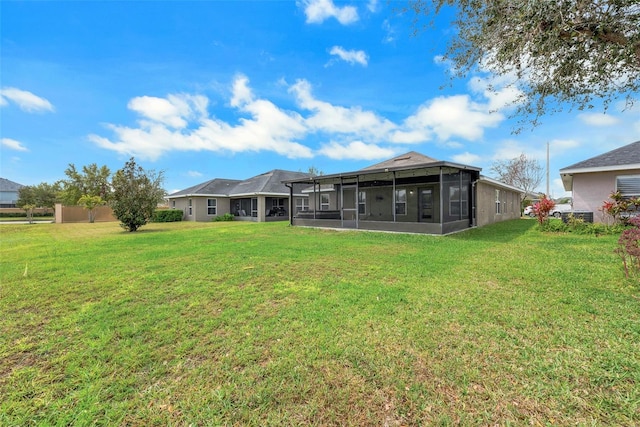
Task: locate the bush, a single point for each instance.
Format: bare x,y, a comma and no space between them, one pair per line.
225,217
629,248
579,226
167,215
23,214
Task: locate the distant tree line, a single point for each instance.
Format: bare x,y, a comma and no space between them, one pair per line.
132,192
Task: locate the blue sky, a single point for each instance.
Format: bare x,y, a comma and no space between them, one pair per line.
207,89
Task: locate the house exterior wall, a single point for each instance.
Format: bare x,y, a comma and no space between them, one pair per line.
486,204
590,190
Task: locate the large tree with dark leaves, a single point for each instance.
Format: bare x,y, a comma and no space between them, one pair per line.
572,51
136,194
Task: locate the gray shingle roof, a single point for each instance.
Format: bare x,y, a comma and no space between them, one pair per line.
7,185
626,155
215,186
411,158
266,183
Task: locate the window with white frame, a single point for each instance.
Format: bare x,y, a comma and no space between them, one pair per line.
302,204
278,203
254,207
212,206
498,201
362,202
324,202
628,185
401,202
190,208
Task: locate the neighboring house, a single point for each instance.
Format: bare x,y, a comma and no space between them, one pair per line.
9,193
409,193
593,180
260,198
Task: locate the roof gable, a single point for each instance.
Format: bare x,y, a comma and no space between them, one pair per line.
215,186
411,158
625,155
266,183
7,185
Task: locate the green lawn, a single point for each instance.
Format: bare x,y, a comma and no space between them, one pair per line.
235,323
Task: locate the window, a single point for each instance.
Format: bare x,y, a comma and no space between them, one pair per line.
278,203
190,208
628,185
254,207
324,202
401,202
173,204
212,206
458,201
362,202
302,204
498,201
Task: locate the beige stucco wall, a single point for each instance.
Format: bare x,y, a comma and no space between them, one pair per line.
590,190
486,204
67,214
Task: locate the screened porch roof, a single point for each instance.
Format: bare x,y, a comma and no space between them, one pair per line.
386,173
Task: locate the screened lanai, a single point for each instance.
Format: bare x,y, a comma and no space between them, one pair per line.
410,193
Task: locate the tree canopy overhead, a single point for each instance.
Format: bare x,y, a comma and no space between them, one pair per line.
573,51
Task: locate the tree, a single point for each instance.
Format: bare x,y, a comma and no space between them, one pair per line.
136,194
90,203
42,195
92,181
46,195
572,50
27,201
520,172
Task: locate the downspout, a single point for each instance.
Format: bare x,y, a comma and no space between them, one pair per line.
341,202
290,203
473,202
315,200
358,201
441,202
393,199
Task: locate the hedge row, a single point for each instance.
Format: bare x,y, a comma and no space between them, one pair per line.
167,215
23,214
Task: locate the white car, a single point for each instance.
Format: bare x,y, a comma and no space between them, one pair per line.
559,209
528,211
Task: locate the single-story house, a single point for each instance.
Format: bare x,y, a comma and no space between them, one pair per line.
591,181
261,198
9,193
408,193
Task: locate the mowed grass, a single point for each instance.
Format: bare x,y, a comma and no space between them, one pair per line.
266,324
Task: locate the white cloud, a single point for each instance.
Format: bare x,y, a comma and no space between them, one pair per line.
27,101
181,123
373,6
194,174
453,116
330,118
317,11
350,56
355,150
390,32
12,144
467,158
598,119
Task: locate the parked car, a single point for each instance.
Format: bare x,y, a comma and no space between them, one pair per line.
559,209
528,211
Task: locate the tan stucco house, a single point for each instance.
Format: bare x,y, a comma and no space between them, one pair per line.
408,193
593,180
261,198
